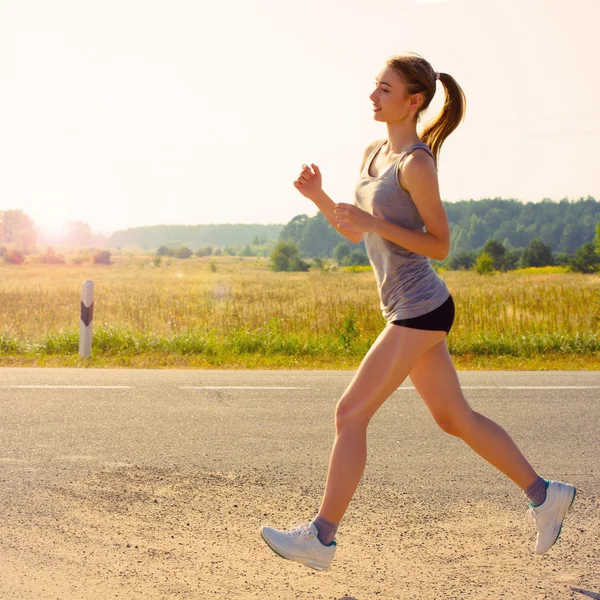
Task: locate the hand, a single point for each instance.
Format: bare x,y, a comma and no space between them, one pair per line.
309,183
352,218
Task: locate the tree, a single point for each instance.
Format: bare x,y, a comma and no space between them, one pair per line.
460,243
537,254
356,258
493,218
513,257
17,228
563,259
341,251
477,232
315,239
78,234
162,251
498,253
183,252
204,251
293,230
462,260
571,237
286,257
586,260
597,238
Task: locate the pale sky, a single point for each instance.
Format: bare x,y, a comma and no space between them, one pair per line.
130,112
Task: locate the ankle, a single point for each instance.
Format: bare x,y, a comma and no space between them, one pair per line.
536,492
326,530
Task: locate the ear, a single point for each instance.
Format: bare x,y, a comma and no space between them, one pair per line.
415,101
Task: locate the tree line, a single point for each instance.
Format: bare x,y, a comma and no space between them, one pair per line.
509,233
486,235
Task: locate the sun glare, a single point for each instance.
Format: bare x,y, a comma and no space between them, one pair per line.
53,228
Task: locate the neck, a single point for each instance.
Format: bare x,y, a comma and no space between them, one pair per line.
401,135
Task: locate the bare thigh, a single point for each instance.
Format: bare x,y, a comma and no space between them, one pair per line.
436,381
383,369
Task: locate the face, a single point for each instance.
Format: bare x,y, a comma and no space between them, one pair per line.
391,102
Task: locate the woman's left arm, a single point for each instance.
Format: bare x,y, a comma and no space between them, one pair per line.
419,179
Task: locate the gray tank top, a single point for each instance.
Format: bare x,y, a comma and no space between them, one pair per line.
408,285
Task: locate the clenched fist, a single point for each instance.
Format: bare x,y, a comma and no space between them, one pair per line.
309,183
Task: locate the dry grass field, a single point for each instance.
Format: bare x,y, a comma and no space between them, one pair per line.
240,314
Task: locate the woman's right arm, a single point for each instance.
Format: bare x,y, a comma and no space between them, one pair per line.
309,185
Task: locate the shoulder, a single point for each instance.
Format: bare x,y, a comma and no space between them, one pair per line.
418,167
368,151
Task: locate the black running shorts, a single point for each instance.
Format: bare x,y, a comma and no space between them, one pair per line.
440,319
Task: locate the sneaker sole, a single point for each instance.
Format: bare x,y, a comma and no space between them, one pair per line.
286,558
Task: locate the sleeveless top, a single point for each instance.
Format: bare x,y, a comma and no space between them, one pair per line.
407,284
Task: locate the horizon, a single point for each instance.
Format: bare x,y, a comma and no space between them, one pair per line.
108,233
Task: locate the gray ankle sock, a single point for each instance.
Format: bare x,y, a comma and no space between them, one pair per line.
326,530
536,492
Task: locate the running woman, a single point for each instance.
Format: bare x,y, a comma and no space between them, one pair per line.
400,216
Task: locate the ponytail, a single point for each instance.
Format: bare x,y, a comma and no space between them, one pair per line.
452,113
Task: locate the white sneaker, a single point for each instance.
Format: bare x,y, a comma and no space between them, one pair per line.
300,544
549,515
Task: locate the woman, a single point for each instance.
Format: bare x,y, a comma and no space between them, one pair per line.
399,214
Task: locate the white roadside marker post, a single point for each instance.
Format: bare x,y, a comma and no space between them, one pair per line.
87,314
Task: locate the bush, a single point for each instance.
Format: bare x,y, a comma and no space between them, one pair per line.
356,258
286,257
51,258
183,252
497,251
340,252
101,257
563,259
537,254
484,264
586,260
156,261
212,265
462,260
204,251
162,251
14,257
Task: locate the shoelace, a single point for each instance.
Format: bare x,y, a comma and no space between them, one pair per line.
532,514
298,528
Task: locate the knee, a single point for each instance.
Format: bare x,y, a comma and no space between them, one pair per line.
349,414
455,424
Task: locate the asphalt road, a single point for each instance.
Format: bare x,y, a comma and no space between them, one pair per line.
55,420
59,427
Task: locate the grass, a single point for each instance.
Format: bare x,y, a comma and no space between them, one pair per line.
242,315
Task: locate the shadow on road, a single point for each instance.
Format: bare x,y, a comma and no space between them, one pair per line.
587,593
